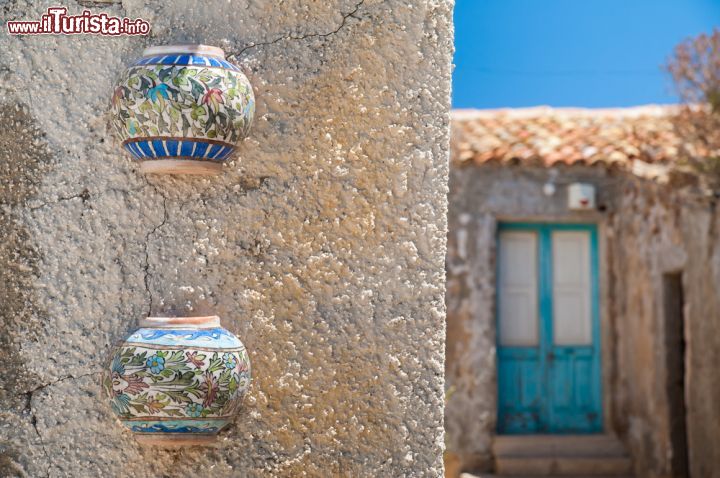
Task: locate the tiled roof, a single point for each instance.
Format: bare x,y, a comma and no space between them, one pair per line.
632,137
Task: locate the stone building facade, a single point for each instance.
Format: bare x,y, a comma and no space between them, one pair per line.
658,266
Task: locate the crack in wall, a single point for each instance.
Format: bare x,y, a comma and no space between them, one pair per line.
33,422
152,232
84,195
290,36
33,418
61,379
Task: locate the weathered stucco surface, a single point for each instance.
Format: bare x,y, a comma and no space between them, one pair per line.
659,230
322,248
646,230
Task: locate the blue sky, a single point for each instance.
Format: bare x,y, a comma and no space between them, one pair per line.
591,53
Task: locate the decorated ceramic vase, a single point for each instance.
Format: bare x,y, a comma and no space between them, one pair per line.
182,109
178,380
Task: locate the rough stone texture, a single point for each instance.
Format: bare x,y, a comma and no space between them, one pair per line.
322,247
645,230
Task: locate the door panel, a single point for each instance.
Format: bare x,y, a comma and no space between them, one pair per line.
548,347
518,331
572,405
520,391
518,289
571,288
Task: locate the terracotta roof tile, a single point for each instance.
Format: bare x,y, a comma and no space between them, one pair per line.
550,136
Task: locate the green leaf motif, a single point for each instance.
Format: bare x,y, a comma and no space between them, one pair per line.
164,73
174,412
138,360
205,77
215,364
197,88
197,112
225,377
145,84
185,125
174,113
178,396
176,356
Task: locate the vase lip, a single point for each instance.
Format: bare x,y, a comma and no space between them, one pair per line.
187,322
186,48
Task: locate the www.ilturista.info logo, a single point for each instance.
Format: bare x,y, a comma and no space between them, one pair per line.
57,22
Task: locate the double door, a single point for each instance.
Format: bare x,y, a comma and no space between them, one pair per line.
548,329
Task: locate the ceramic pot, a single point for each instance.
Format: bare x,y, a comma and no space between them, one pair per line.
182,109
178,380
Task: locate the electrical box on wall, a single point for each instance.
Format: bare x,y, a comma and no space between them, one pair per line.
581,197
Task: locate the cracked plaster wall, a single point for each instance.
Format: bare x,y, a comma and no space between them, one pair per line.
322,247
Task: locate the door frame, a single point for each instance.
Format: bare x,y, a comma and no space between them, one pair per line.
544,281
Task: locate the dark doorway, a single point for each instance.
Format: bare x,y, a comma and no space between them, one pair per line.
675,348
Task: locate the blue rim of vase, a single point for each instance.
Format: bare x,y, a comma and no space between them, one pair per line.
204,56
200,333
166,147
186,60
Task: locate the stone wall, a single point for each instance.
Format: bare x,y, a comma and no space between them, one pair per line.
646,230
658,230
479,198
322,247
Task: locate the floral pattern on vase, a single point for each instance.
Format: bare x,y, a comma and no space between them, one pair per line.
188,104
183,383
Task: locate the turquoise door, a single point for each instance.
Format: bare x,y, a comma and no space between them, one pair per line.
548,329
